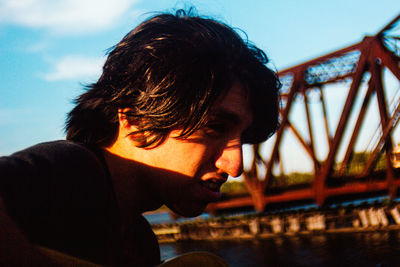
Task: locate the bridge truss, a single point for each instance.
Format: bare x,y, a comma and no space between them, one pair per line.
332,129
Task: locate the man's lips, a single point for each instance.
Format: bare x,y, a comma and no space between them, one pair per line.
212,184
212,188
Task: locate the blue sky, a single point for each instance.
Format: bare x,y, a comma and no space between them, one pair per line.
50,49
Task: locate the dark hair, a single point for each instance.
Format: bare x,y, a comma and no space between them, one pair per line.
169,71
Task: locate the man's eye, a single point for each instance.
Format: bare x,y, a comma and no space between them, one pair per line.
216,129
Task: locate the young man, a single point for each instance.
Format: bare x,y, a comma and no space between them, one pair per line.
164,124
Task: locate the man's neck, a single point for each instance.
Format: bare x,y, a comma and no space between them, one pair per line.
133,186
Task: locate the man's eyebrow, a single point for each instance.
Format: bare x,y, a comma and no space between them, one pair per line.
226,115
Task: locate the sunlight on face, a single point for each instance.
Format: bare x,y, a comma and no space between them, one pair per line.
203,161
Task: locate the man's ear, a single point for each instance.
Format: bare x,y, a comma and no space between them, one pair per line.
125,122
129,127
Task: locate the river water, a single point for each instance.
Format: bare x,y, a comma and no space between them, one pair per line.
380,248
374,248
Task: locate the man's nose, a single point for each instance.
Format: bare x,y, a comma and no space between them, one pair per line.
231,160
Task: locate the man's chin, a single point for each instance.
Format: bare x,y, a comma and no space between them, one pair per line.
193,210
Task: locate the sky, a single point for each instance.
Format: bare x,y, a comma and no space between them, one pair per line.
49,50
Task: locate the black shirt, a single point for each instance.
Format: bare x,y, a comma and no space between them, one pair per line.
60,195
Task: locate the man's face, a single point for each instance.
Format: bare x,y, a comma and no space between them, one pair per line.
186,174
200,164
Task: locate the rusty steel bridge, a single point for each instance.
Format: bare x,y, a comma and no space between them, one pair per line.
333,128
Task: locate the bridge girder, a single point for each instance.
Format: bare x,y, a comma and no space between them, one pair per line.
357,65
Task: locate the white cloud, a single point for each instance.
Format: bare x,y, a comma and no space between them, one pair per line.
66,16
74,67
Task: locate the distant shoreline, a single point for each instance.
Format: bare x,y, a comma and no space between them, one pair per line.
298,223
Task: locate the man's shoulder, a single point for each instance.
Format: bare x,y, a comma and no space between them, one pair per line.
54,149
49,157
57,166
54,170
60,196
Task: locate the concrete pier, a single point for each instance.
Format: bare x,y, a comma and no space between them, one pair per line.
344,219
